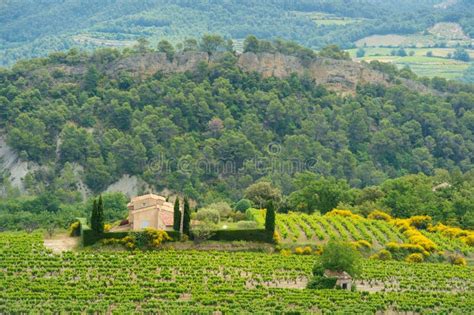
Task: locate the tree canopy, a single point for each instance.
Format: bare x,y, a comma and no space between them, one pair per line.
217,132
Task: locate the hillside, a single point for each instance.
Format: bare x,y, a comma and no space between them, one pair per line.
30,29
337,75
209,123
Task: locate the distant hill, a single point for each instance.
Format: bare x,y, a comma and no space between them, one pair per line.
32,28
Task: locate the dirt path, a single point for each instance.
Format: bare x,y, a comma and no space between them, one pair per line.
61,243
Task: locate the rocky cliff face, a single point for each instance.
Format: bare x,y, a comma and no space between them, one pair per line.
146,65
340,75
12,166
336,74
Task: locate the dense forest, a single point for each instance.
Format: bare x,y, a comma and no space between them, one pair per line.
32,28
212,132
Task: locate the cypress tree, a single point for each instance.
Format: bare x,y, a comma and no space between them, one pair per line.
100,216
270,218
94,216
186,217
177,216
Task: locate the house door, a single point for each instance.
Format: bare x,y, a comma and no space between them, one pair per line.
344,286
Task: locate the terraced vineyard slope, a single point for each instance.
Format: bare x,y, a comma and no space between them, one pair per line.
33,279
315,230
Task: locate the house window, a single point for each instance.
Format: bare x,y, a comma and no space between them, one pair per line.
145,224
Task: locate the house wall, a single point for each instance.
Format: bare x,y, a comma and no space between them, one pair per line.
341,283
145,203
167,206
145,212
147,218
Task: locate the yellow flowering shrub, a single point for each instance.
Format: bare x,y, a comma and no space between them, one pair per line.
420,221
417,238
403,224
156,237
457,260
361,245
128,242
343,213
303,250
411,232
276,237
364,244
74,228
285,252
469,240
379,215
149,238
404,249
382,255
107,227
299,251
465,236
307,250
415,258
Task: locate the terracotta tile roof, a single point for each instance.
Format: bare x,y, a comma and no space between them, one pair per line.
148,196
167,218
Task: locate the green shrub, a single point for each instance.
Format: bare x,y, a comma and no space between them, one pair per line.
247,225
318,269
223,208
237,216
242,205
208,215
257,235
114,235
89,237
340,256
322,282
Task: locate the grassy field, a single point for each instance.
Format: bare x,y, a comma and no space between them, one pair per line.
34,280
451,34
438,65
321,18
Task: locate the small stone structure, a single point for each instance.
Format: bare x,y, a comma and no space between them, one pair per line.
344,280
151,211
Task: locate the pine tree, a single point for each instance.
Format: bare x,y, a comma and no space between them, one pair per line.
270,218
100,216
91,80
177,216
186,217
94,214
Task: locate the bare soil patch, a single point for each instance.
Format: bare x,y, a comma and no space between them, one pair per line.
62,243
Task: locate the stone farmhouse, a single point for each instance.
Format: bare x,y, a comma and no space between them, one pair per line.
344,280
151,211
